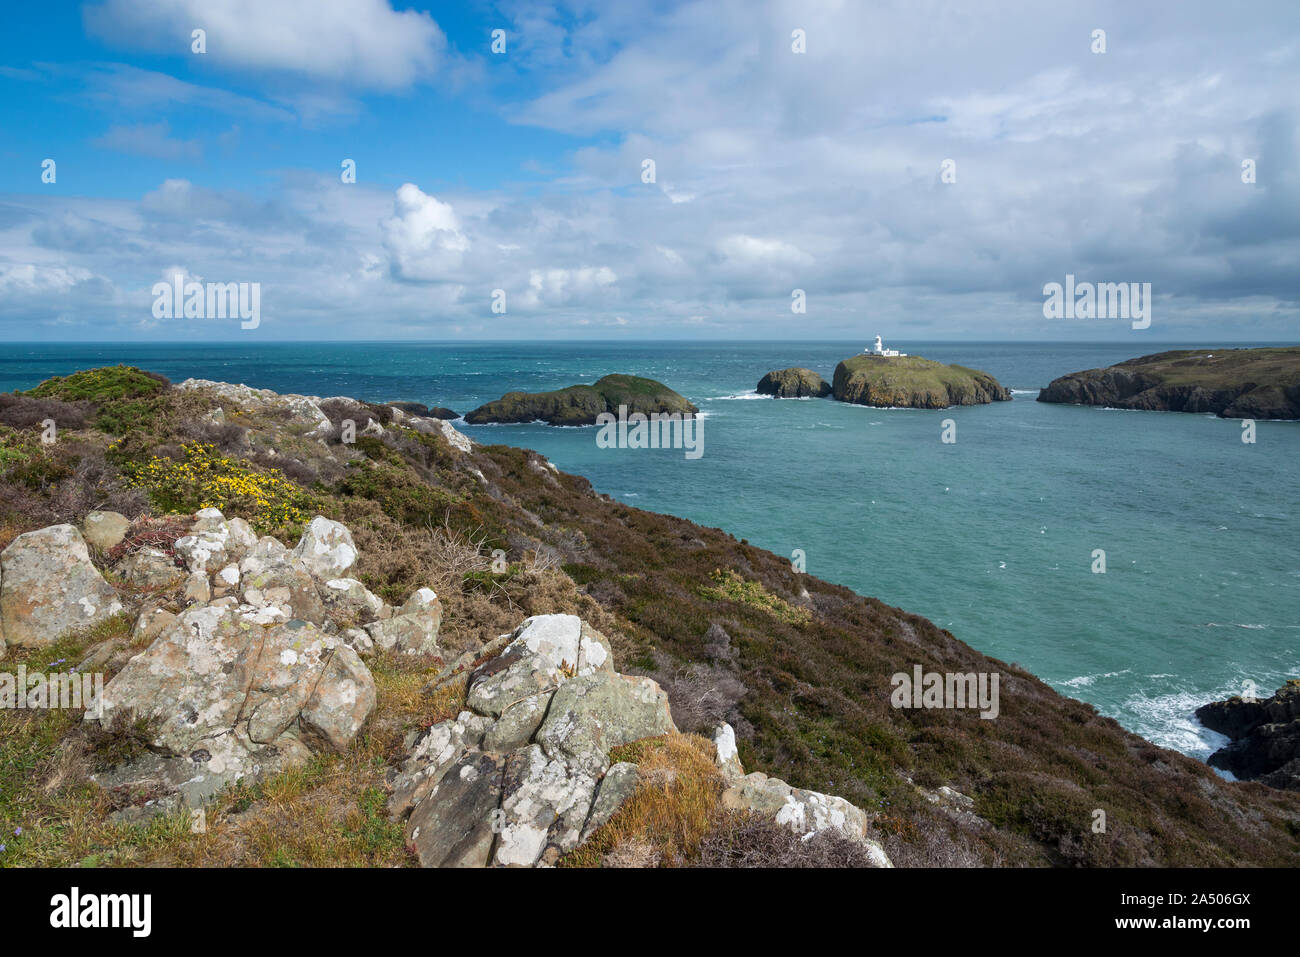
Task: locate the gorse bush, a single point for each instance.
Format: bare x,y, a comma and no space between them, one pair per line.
731,586
206,479
99,385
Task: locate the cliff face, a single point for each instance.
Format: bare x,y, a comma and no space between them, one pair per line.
799,668
580,404
1231,383
913,382
1265,737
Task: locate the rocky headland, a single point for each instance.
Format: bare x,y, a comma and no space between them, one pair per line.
581,404
408,648
1231,383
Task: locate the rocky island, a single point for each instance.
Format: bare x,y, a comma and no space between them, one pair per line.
913,382
1231,383
414,649
581,404
796,383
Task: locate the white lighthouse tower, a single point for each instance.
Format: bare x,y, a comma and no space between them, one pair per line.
879,350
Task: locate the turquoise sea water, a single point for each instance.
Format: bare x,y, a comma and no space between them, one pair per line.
991,537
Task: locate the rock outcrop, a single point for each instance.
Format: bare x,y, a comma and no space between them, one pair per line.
913,382
263,668
49,587
1230,383
523,775
581,404
1265,737
794,383
804,812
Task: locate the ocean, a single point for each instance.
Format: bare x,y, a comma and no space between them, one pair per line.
992,536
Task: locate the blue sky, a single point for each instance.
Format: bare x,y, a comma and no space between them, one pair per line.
775,170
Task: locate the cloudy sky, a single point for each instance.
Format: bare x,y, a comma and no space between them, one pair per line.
773,170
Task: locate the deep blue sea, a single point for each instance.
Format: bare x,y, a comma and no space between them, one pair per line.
991,537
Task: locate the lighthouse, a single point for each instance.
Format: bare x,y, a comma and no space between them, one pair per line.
879,350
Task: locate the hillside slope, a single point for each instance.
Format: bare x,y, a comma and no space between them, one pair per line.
801,668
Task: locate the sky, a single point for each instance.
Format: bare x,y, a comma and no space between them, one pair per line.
914,169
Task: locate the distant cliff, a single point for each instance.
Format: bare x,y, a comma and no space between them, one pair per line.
913,382
1231,383
796,383
580,404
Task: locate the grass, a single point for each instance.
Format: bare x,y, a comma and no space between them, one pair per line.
912,381
100,385
731,586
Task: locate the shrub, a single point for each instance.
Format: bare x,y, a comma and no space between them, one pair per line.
99,385
732,586
207,480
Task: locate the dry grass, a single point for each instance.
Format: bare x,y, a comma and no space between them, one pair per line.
674,808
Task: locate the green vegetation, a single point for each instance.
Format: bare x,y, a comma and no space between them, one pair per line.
913,382
1232,383
731,586
100,385
206,479
581,404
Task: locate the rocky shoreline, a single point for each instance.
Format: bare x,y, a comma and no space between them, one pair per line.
1230,383
582,404
1264,733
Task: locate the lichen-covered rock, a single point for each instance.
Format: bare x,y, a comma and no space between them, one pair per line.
224,683
544,650
351,600
149,569
804,812
103,530
414,629
326,549
269,576
49,587
542,789
592,714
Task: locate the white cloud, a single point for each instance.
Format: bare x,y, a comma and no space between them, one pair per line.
423,236
363,43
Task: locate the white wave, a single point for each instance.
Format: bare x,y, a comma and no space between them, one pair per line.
1025,391
739,396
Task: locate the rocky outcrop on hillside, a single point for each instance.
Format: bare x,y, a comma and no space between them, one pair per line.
581,404
523,775
1265,736
794,383
1230,383
804,812
913,382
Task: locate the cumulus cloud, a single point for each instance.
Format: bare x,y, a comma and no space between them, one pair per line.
423,236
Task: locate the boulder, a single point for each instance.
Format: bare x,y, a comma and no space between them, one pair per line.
414,629
103,530
149,569
351,600
326,549
49,587
232,690
804,812
523,776
1265,735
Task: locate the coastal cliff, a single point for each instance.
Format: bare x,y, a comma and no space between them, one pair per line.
434,603
1231,383
913,382
581,404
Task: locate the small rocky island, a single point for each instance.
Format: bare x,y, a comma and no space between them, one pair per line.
913,382
1265,737
581,404
1231,383
887,378
796,383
